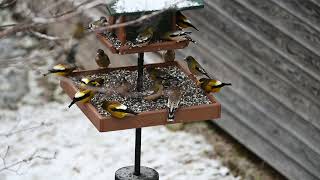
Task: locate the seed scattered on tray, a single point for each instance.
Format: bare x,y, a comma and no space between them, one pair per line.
192,95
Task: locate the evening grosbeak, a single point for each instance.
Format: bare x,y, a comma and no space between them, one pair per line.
61,70
157,74
194,67
117,110
177,36
183,22
102,59
102,22
92,82
144,37
212,85
157,91
82,96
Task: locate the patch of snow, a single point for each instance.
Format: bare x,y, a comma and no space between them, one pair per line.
127,6
84,153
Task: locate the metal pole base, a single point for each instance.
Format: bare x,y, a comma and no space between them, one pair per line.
127,173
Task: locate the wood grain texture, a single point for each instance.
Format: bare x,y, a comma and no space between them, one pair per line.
280,76
307,10
286,22
269,51
300,55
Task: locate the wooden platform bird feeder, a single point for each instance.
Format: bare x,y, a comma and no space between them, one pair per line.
121,40
126,14
144,119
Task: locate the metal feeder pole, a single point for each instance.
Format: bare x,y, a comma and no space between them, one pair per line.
137,172
137,158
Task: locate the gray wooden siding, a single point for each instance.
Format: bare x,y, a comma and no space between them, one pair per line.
270,51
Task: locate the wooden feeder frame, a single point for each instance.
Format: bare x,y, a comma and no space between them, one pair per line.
152,47
144,119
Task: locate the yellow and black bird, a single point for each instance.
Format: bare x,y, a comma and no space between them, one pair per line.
102,22
177,36
169,55
61,70
212,85
92,82
183,22
173,103
195,68
82,96
144,37
117,110
102,59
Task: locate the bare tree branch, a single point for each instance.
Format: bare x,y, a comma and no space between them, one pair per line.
18,164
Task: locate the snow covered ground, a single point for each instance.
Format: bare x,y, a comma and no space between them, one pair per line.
84,153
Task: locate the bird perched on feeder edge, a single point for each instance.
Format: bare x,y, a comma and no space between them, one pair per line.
183,22
195,68
102,59
92,82
212,85
117,110
82,96
102,22
169,55
61,70
178,36
174,99
144,37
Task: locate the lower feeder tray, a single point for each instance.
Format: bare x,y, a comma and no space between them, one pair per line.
114,45
195,104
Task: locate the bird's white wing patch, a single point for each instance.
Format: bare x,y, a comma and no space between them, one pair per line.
124,107
79,94
59,67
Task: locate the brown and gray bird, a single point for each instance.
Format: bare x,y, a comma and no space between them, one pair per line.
102,59
195,68
124,87
183,22
169,55
174,98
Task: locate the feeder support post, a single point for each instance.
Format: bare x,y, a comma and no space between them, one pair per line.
137,159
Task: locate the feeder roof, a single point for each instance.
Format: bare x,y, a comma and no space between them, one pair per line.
131,7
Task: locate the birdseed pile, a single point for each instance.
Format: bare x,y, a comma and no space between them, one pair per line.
116,43
192,95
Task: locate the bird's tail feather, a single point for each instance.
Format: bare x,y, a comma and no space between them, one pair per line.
227,84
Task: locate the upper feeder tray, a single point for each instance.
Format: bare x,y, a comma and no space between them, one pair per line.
195,104
120,40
